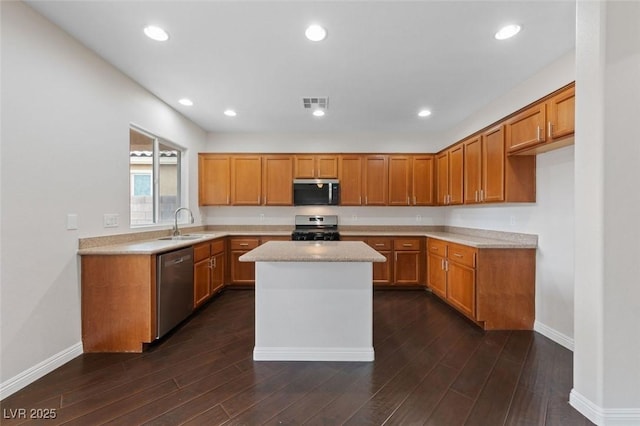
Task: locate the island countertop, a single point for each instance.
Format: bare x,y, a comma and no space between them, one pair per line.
313,251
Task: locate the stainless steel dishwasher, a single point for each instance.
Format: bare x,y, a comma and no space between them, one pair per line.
175,289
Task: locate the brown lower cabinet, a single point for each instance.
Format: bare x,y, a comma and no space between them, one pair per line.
404,265
493,287
208,270
243,274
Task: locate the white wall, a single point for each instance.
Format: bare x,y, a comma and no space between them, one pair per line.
65,142
607,267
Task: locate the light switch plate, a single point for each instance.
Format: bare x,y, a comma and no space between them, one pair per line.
111,220
72,221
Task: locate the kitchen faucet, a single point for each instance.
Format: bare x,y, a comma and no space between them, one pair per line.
176,231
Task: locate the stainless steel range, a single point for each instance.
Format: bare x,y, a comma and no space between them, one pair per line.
316,228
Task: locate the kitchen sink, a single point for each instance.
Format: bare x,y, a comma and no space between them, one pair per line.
182,237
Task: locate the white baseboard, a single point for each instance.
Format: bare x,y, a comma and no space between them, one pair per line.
553,334
32,374
602,416
313,354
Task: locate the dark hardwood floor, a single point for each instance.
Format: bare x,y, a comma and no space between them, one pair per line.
432,367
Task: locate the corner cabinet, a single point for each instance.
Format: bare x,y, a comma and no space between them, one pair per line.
493,287
450,175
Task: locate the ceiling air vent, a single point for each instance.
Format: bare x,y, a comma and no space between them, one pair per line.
317,102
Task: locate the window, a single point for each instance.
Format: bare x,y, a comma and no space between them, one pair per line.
154,176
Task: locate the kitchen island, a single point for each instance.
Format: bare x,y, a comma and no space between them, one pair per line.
313,300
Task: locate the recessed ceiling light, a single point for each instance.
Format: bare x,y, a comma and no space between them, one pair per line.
424,113
230,113
507,32
186,102
315,33
318,113
156,33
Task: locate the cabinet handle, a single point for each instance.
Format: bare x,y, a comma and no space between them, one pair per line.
414,200
227,199
408,200
379,244
476,196
359,199
407,245
538,134
549,128
457,255
482,195
446,265
244,244
366,199
442,264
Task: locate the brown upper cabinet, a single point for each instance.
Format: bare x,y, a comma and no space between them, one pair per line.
318,166
411,180
246,179
277,180
545,125
214,180
450,175
375,180
484,161
350,176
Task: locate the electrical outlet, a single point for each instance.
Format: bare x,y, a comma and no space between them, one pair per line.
418,218
512,220
111,220
261,217
354,217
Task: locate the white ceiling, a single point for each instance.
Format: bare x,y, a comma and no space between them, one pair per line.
381,62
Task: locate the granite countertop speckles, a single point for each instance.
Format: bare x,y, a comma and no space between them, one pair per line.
313,251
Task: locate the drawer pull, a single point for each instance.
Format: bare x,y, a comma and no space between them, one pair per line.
379,244
457,255
407,245
244,244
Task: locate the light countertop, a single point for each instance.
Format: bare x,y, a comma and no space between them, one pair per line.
313,251
471,237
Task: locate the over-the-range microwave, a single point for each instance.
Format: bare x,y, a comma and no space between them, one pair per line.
316,192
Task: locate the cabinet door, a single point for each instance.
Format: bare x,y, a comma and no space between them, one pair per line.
214,177
277,180
217,272
241,272
526,129
442,179
350,180
456,174
399,180
473,170
422,180
461,288
406,267
246,174
436,275
327,166
562,114
375,180
201,280
382,270
493,163
304,166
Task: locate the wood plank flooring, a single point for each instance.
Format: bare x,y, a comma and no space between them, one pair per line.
432,367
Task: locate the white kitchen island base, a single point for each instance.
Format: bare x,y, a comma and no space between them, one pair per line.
314,311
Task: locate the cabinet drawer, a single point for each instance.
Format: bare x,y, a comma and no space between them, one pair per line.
406,244
438,247
217,246
244,243
463,255
201,251
379,243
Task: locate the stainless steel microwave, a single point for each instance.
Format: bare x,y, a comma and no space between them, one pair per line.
316,192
